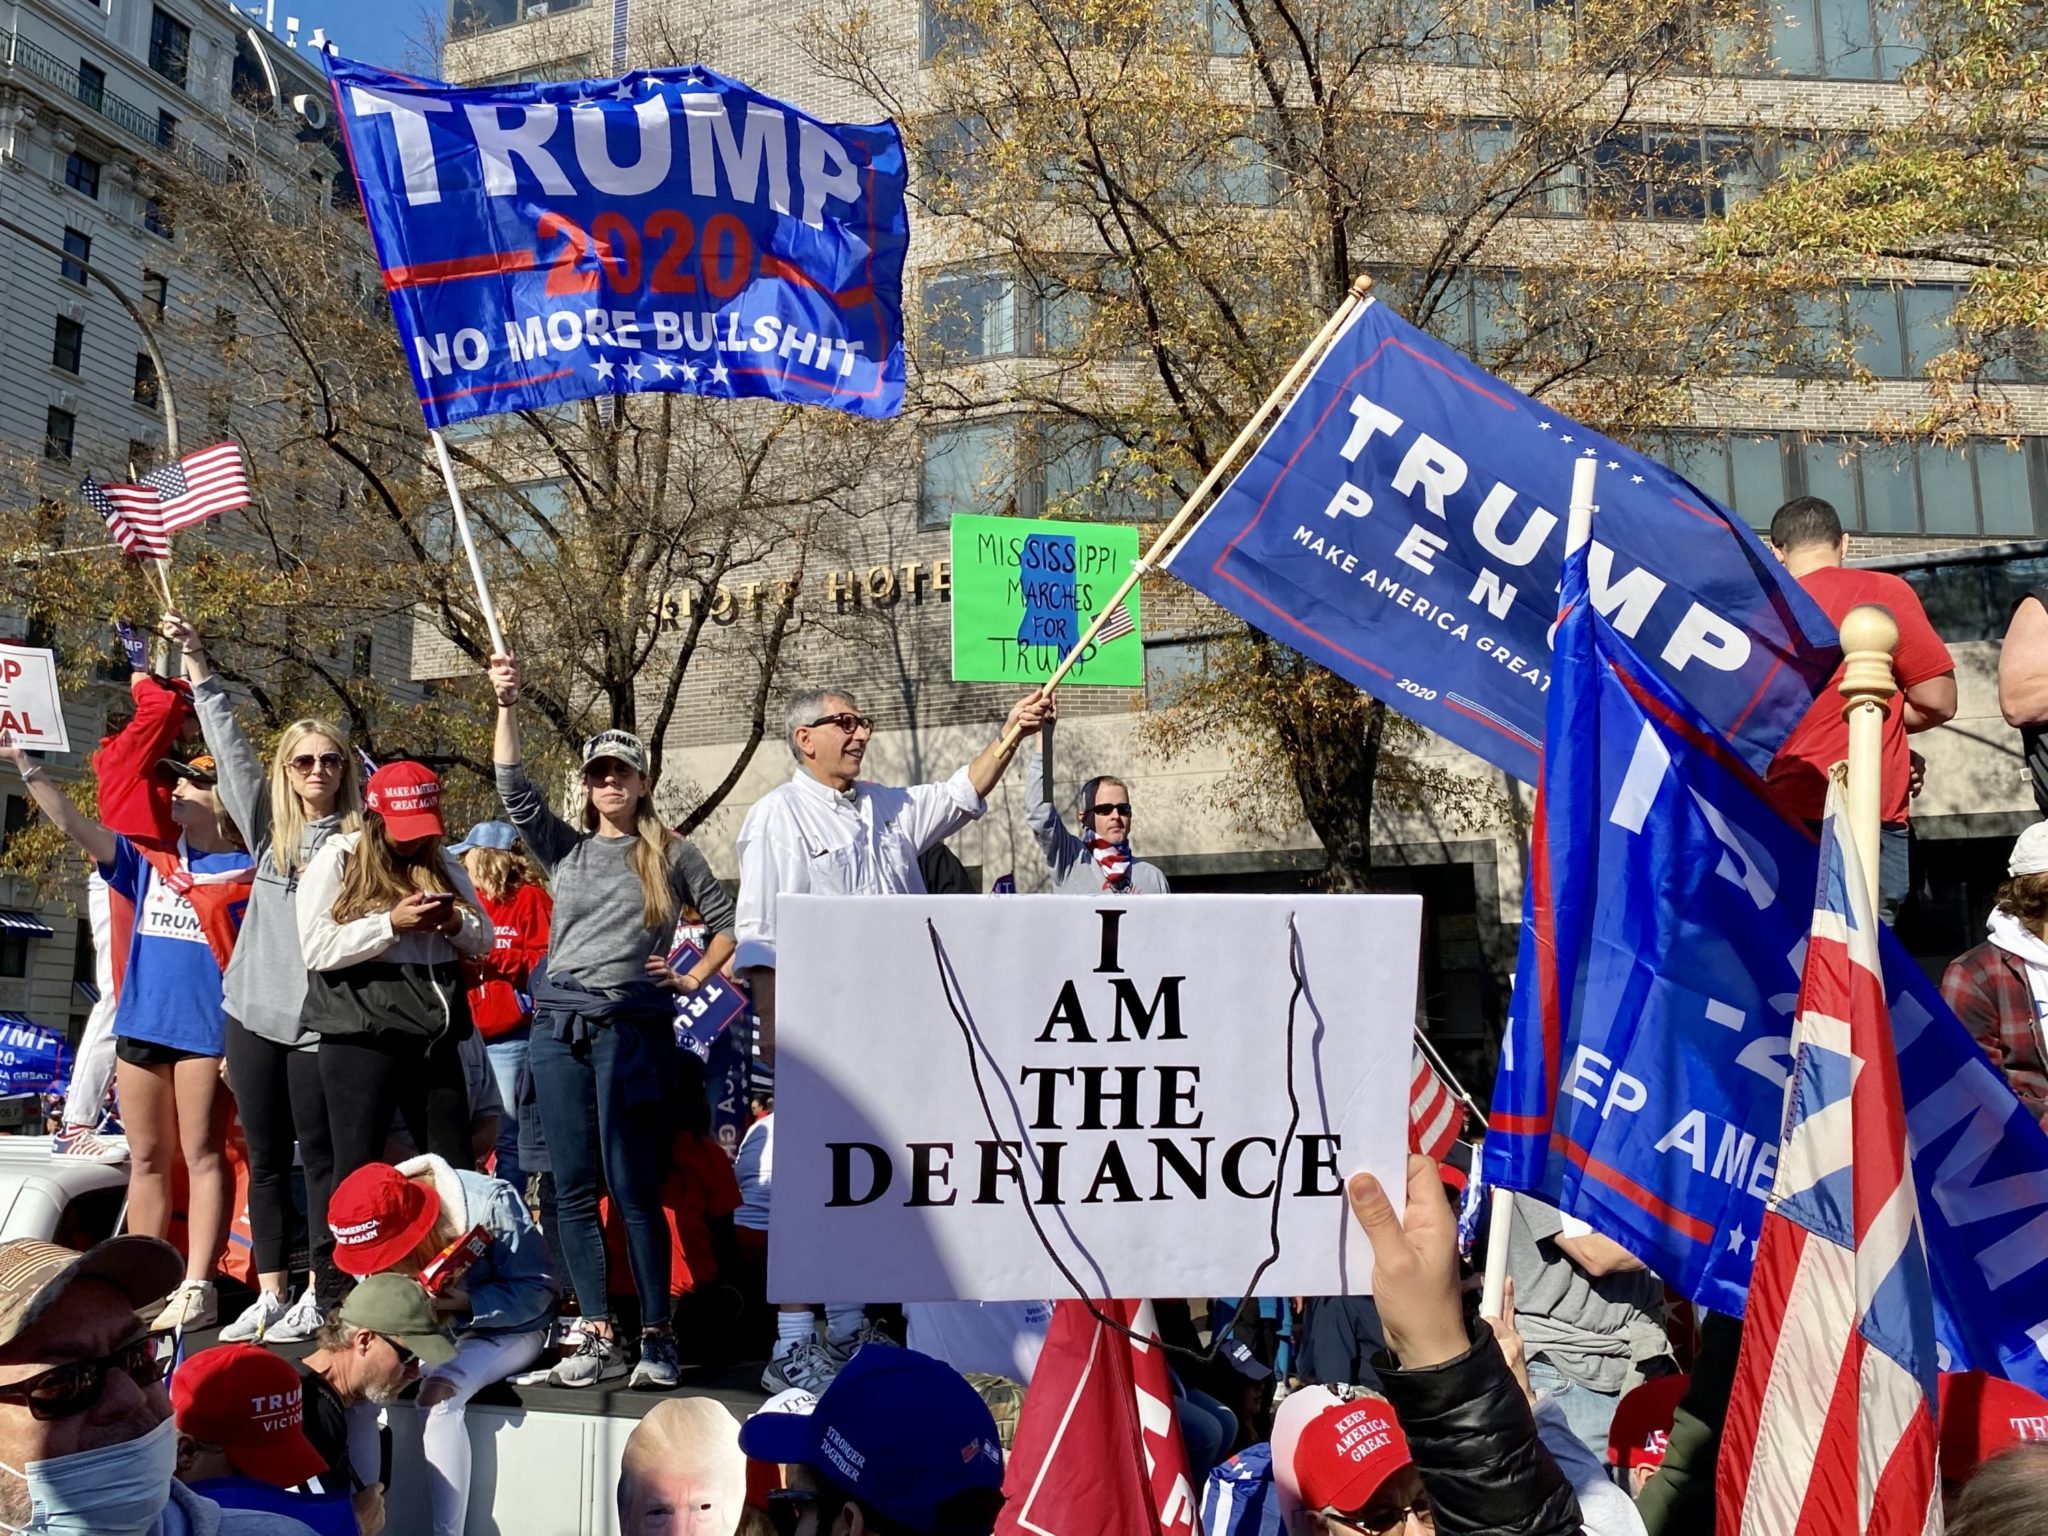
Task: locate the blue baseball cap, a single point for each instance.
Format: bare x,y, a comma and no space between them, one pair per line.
900,1431
501,835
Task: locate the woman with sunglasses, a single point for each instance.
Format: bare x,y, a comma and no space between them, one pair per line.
1100,859
311,791
603,1058
175,921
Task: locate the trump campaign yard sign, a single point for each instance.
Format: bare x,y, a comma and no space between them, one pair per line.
1054,1086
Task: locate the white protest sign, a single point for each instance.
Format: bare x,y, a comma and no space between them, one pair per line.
1134,1093
30,710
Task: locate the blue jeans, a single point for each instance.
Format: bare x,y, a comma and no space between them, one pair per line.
1589,1413
1894,871
608,1103
508,1054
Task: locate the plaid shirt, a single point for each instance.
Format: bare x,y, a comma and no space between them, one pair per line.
1987,987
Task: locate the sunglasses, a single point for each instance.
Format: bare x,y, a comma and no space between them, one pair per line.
1384,1522
306,762
848,723
65,1391
1112,808
786,1508
406,1357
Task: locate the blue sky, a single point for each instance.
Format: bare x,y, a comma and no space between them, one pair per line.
394,33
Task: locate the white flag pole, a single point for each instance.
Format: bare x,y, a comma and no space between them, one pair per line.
1869,636
1578,532
476,566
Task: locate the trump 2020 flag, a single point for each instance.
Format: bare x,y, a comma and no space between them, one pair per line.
1403,524
671,230
1649,1039
1830,1427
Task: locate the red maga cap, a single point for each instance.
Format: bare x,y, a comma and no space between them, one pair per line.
378,1216
248,1402
408,796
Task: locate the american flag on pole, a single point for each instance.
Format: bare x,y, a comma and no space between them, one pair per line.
142,517
1830,1428
1435,1114
1116,626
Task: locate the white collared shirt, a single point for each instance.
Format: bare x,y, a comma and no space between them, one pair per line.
806,836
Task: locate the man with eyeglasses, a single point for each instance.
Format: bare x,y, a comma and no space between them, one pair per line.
899,1445
369,1352
87,1442
828,830
1100,858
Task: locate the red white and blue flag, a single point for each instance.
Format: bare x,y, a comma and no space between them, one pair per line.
1831,1424
142,517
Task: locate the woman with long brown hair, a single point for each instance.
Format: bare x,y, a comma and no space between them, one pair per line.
312,790
606,1072
385,915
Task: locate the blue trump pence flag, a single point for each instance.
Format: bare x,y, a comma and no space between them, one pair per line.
1403,524
672,230
1642,1085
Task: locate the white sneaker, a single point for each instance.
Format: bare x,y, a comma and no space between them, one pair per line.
88,1146
298,1323
191,1305
869,1332
257,1319
809,1367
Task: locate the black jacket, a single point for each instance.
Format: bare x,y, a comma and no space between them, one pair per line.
1473,1438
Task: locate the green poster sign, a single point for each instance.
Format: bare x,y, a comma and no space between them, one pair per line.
1024,590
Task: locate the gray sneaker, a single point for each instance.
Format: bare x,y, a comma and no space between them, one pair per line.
809,1367
869,1332
596,1360
657,1370
299,1323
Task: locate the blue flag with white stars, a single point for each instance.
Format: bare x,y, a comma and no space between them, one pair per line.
1404,524
671,230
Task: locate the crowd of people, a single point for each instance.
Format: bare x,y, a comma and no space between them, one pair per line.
467,1055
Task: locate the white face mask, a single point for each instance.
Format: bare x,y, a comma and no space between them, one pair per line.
116,1490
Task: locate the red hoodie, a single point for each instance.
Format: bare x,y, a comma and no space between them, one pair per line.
496,980
135,800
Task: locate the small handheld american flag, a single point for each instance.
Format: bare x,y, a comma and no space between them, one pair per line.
142,517
1116,626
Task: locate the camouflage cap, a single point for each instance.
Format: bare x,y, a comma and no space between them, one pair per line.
33,1274
1005,1399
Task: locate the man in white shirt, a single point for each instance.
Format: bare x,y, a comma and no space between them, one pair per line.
828,830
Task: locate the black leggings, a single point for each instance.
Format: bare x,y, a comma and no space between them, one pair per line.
278,1095
370,1077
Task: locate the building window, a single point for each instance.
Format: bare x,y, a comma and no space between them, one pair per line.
92,84
970,314
166,129
968,468
13,954
77,250
60,433
69,344
147,390
170,46
13,818
1171,668
1081,471
1973,488
362,655
141,456
82,174
156,218
156,292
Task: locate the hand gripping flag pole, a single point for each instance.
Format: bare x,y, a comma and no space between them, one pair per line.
1361,289
1578,532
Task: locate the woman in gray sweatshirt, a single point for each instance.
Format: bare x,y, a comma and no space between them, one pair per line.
606,1073
312,790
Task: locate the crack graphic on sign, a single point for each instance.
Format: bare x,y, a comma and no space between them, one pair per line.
977,1048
